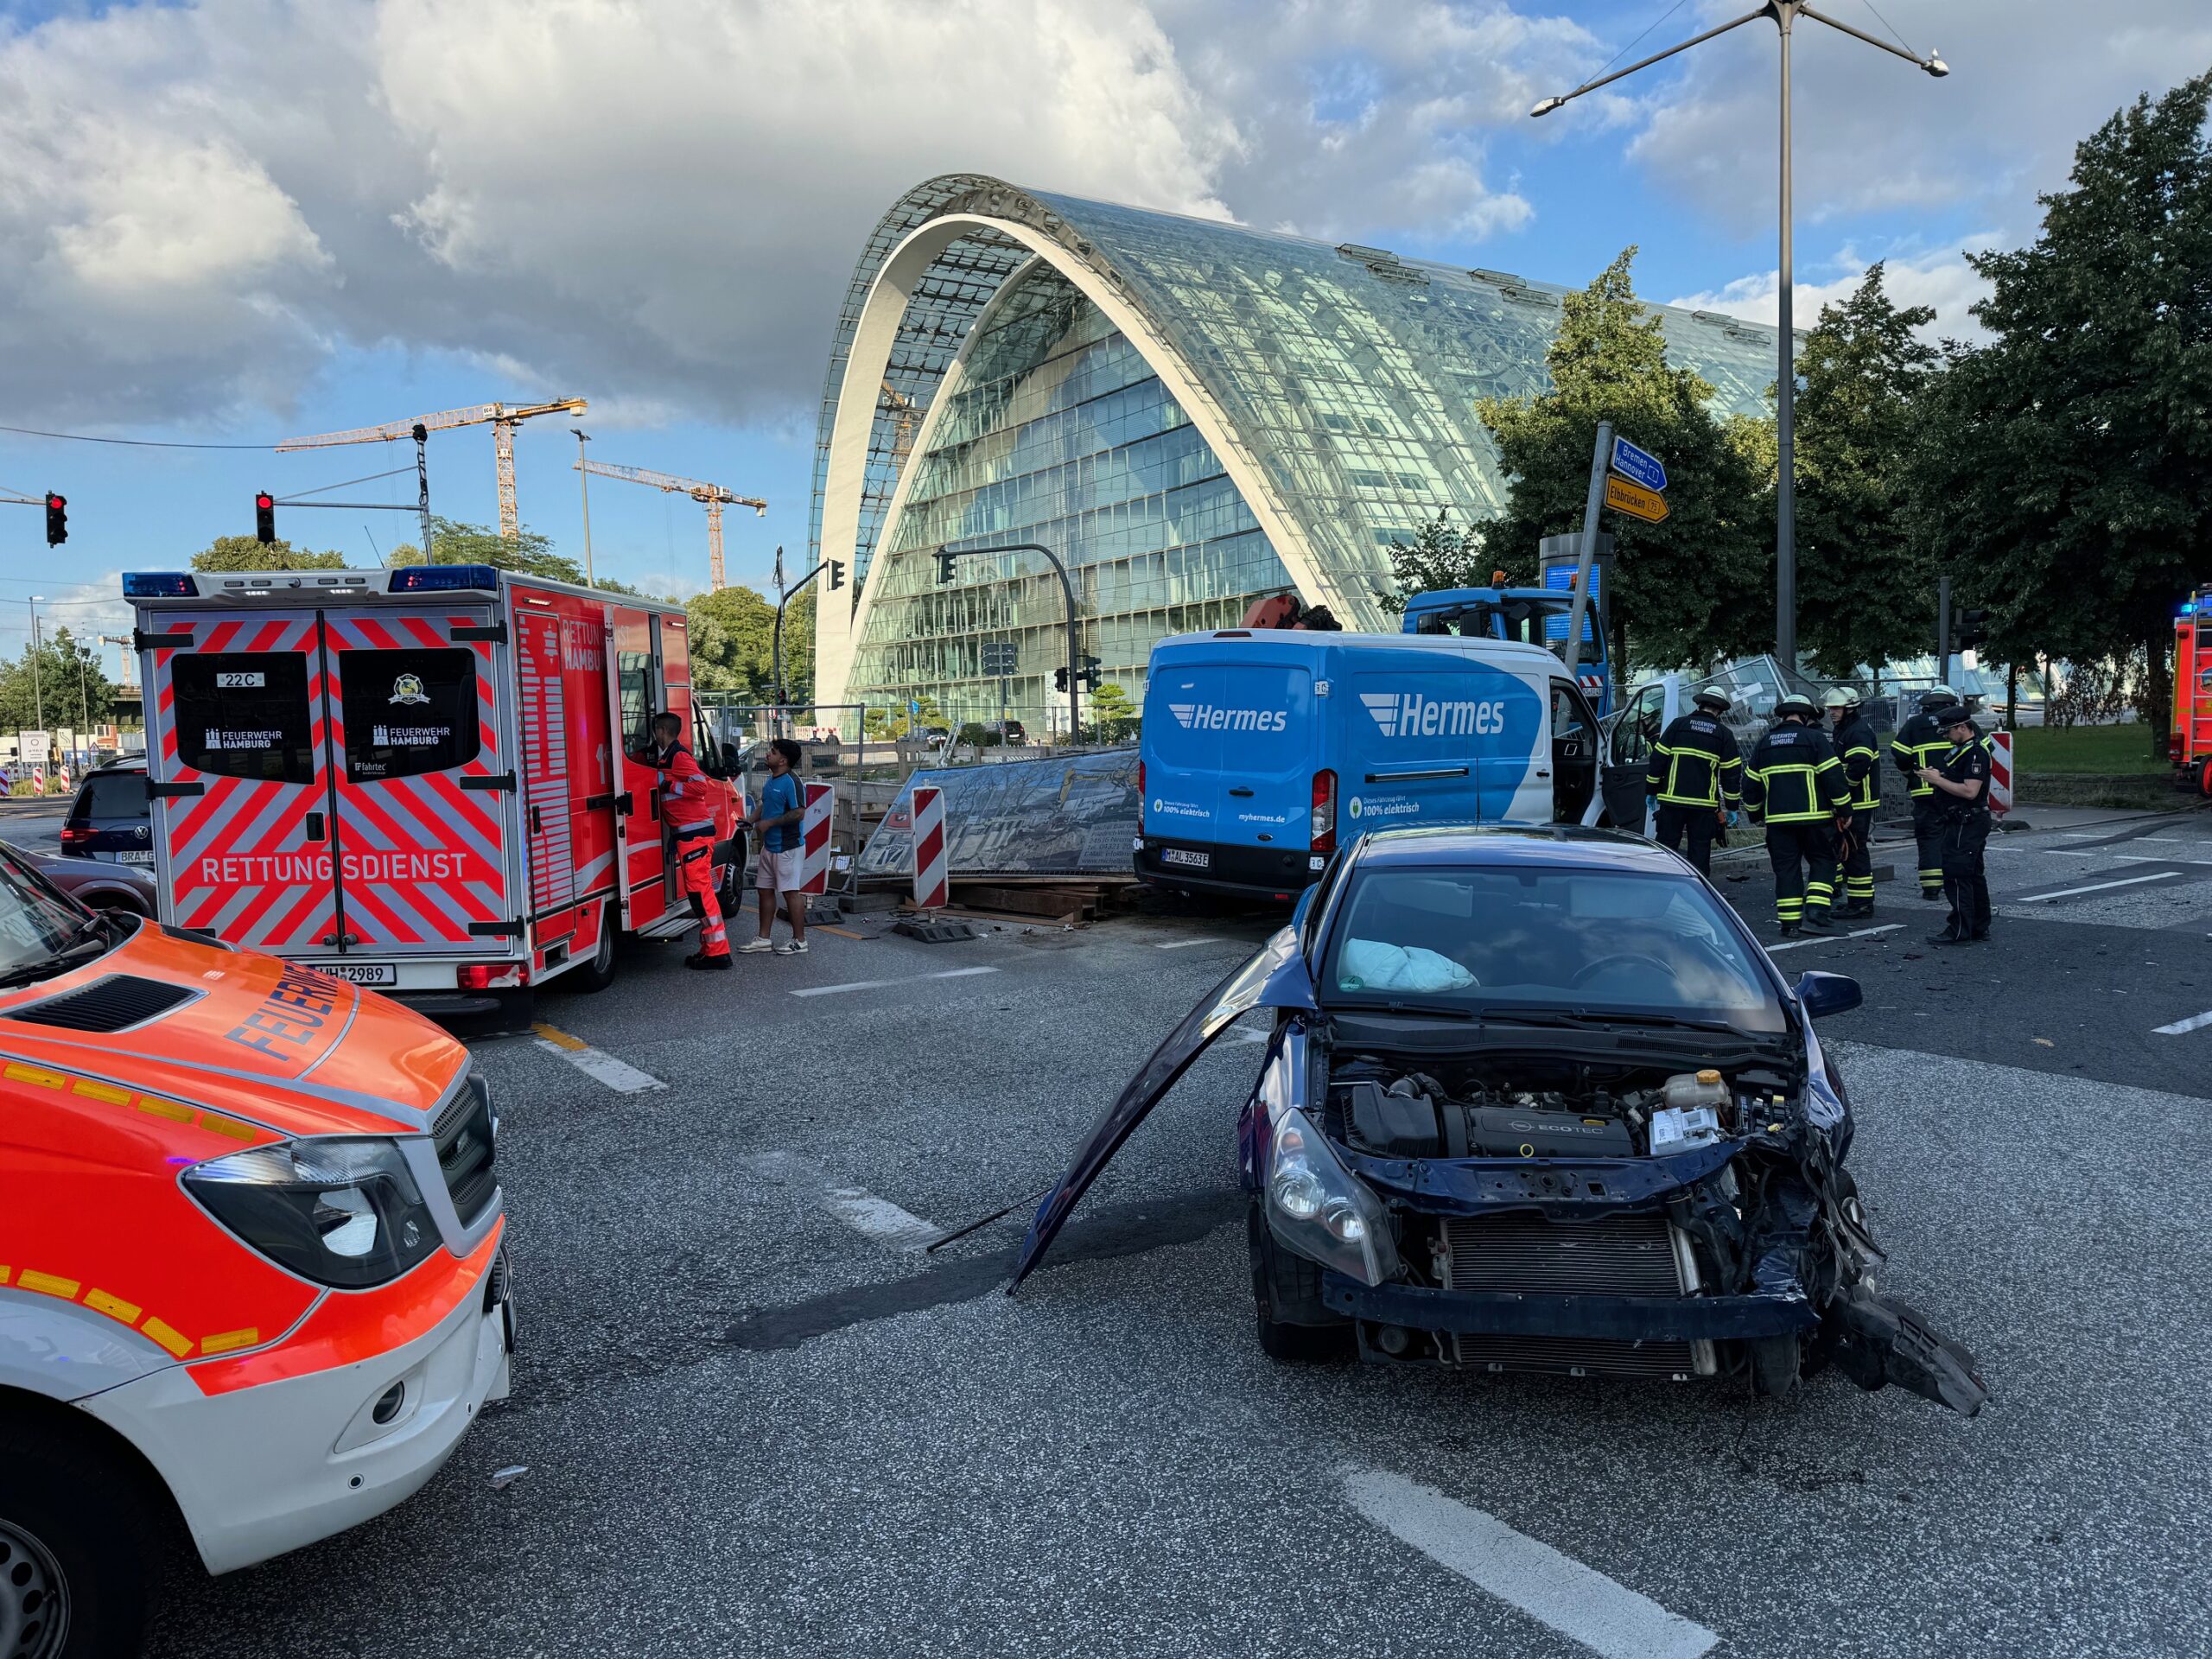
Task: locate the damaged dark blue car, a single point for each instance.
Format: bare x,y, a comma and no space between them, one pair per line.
1537,1100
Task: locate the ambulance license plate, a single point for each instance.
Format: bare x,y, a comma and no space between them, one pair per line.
363,973
1185,858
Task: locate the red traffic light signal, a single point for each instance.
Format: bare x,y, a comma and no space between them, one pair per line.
57,518
264,517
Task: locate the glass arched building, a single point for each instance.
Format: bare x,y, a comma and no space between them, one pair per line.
1191,413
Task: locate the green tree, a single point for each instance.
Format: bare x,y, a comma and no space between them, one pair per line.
529,553
1865,585
884,724
1113,713
70,687
244,553
1446,555
2064,474
1682,590
733,644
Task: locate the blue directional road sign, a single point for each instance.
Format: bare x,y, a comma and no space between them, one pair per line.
1638,466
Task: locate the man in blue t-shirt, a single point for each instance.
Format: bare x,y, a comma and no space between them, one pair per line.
779,865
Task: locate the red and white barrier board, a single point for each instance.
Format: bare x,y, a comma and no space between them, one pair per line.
2000,772
814,838
929,862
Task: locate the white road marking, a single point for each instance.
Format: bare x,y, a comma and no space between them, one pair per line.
1184,944
878,984
859,1209
2100,887
621,1076
1862,933
1556,1590
2195,1022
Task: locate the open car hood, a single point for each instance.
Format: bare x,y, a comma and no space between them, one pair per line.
1275,977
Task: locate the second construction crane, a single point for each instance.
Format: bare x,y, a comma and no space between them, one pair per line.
713,497
503,419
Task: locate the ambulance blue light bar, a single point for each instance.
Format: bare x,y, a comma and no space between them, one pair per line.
159,584
443,578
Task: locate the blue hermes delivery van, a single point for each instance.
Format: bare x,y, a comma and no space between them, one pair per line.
1264,751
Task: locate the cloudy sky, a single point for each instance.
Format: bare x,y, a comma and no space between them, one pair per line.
233,220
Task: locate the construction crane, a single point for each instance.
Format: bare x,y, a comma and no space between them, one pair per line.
503,419
902,433
713,497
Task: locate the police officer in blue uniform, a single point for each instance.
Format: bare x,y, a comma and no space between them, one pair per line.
1959,787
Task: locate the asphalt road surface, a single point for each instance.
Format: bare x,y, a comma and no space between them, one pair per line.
757,1418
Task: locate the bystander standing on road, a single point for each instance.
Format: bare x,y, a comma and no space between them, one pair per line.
778,868
1960,787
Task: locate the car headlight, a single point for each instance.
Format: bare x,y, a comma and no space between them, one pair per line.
1319,1208
346,1213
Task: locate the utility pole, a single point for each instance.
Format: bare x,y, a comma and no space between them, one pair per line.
38,692
1598,459
583,483
1942,630
1783,14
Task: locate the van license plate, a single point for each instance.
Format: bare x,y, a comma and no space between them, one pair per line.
1184,857
363,973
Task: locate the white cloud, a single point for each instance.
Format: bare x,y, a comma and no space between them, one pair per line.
657,203
1941,280
2028,79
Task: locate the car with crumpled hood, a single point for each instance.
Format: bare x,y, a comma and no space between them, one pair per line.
1537,1100
253,1286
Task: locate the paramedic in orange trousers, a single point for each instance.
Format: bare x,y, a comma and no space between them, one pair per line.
687,807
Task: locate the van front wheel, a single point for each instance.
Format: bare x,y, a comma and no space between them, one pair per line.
599,973
80,1555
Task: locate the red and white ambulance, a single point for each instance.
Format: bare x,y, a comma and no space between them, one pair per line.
421,780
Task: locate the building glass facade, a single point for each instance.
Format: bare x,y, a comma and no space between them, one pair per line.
1339,385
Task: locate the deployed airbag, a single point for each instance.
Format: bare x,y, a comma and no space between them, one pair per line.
1374,965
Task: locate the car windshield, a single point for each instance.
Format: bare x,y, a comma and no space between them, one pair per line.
1585,942
36,922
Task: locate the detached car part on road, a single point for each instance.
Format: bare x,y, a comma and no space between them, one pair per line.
252,1279
1538,1100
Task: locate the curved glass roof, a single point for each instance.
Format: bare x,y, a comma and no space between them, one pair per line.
1348,374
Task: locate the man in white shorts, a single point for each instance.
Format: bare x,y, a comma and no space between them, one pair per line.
778,865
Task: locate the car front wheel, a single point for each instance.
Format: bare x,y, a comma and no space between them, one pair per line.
1293,1323
79,1555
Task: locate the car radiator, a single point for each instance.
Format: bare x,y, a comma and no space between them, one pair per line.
1621,1255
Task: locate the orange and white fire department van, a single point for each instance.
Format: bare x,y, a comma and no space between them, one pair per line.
253,1286
421,780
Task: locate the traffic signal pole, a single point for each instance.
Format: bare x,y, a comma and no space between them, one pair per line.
946,555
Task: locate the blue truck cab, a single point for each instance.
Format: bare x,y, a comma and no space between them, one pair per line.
1263,751
1534,615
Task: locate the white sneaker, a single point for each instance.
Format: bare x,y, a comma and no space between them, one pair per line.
754,947
792,947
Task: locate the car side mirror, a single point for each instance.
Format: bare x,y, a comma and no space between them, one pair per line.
1823,994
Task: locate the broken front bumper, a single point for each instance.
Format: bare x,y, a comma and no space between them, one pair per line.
1614,1318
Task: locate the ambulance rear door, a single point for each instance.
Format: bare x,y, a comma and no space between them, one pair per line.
636,691
239,774
424,788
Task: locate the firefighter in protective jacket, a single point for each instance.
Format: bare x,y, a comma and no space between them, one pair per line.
1854,737
1795,784
688,808
1919,743
1697,772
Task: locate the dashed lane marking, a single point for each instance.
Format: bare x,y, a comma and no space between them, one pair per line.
621,1076
878,984
1184,944
2098,886
1555,1590
1862,933
2182,1027
841,932
859,1210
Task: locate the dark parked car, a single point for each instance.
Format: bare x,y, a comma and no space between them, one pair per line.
95,881
109,819
1538,1100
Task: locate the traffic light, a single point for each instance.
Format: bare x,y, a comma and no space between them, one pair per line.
1973,628
837,574
1090,676
943,566
57,518
265,518
1060,678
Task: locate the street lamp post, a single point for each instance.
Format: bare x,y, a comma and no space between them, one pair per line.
583,483
1784,15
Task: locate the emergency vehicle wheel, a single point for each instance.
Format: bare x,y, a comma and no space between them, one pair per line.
599,973
79,1559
